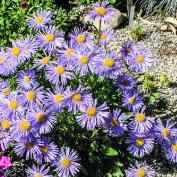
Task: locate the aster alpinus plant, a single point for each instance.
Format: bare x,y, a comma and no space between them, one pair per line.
77,99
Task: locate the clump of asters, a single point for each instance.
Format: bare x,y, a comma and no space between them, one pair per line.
59,79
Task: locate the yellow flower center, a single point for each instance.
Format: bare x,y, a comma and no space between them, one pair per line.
141,172
1,59
109,62
140,117
84,60
166,132
81,38
41,117
49,37
38,175
13,105
5,124
60,70
132,99
39,19
25,125
16,51
69,52
30,95
44,149
27,78
66,163
45,60
58,98
140,142
91,111
140,59
174,146
115,122
28,145
101,10
76,97
6,91
103,36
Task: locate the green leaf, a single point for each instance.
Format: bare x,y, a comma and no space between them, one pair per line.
111,152
88,1
112,1
82,1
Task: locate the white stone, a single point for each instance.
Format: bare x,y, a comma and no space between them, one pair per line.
116,21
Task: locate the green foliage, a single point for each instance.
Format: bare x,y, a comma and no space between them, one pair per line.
148,82
137,33
85,1
13,18
164,80
153,98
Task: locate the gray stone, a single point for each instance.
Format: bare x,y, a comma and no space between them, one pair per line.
116,21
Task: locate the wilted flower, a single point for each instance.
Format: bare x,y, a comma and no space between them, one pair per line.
116,124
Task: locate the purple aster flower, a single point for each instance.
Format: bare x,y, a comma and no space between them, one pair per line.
126,49
31,96
7,67
39,19
84,61
67,52
48,37
55,100
68,163
126,82
140,170
132,99
3,55
26,79
49,151
58,73
17,53
41,171
43,119
106,36
103,12
140,144
76,99
43,61
28,146
140,59
30,45
5,89
107,64
9,107
140,122
81,37
170,150
93,115
115,124
23,126
165,132
5,140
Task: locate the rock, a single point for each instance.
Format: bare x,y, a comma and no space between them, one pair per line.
116,21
